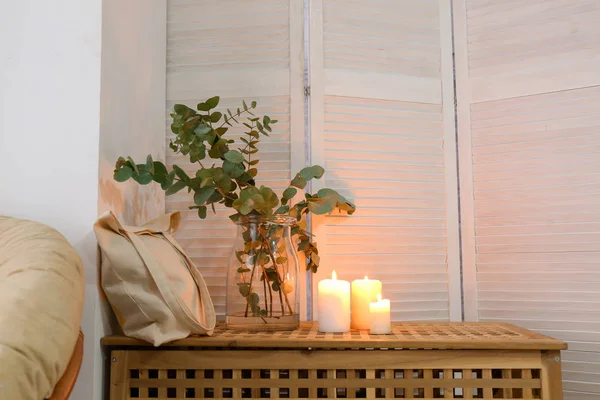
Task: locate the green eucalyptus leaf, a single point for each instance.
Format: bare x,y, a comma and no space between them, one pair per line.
234,156
219,149
168,182
123,174
133,165
256,311
326,192
289,193
244,289
202,194
191,124
271,274
183,110
215,117
270,198
181,173
299,182
341,203
176,187
202,212
253,299
205,173
282,210
308,173
232,169
120,162
242,270
246,207
348,207
202,129
213,102
150,164
143,178
160,172
203,107
225,183
321,205
245,177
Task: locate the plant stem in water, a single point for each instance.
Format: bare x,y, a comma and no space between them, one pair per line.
250,290
279,278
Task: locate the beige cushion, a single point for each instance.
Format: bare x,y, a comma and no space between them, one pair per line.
41,301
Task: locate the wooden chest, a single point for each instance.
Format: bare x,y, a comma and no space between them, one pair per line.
418,360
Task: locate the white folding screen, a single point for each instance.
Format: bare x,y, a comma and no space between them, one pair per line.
528,91
382,125
236,49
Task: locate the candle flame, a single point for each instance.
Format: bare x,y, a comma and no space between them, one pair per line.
378,296
366,278
334,275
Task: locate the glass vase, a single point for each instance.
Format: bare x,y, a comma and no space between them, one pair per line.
262,276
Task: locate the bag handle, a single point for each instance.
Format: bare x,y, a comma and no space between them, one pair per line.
200,283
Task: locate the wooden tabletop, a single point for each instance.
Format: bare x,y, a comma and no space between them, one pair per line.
405,335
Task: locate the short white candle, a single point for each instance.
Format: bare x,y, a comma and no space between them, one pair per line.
334,305
364,291
380,316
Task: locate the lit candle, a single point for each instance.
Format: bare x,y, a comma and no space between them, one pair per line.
334,305
380,316
364,291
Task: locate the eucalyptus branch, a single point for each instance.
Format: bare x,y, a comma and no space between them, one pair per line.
230,181
250,285
242,111
266,282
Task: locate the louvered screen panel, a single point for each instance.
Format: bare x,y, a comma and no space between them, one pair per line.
238,50
383,129
529,123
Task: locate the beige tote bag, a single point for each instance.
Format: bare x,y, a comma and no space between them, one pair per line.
155,290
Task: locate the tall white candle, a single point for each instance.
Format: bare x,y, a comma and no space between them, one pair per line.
364,291
334,305
380,316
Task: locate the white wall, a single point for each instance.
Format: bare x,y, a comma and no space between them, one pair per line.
132,123
59,122
49,126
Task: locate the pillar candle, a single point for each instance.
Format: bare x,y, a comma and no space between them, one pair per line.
380,316
364,291
334,305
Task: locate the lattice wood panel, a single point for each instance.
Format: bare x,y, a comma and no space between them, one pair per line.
371,374
335,383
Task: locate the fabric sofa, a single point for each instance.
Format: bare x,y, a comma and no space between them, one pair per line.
41,302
